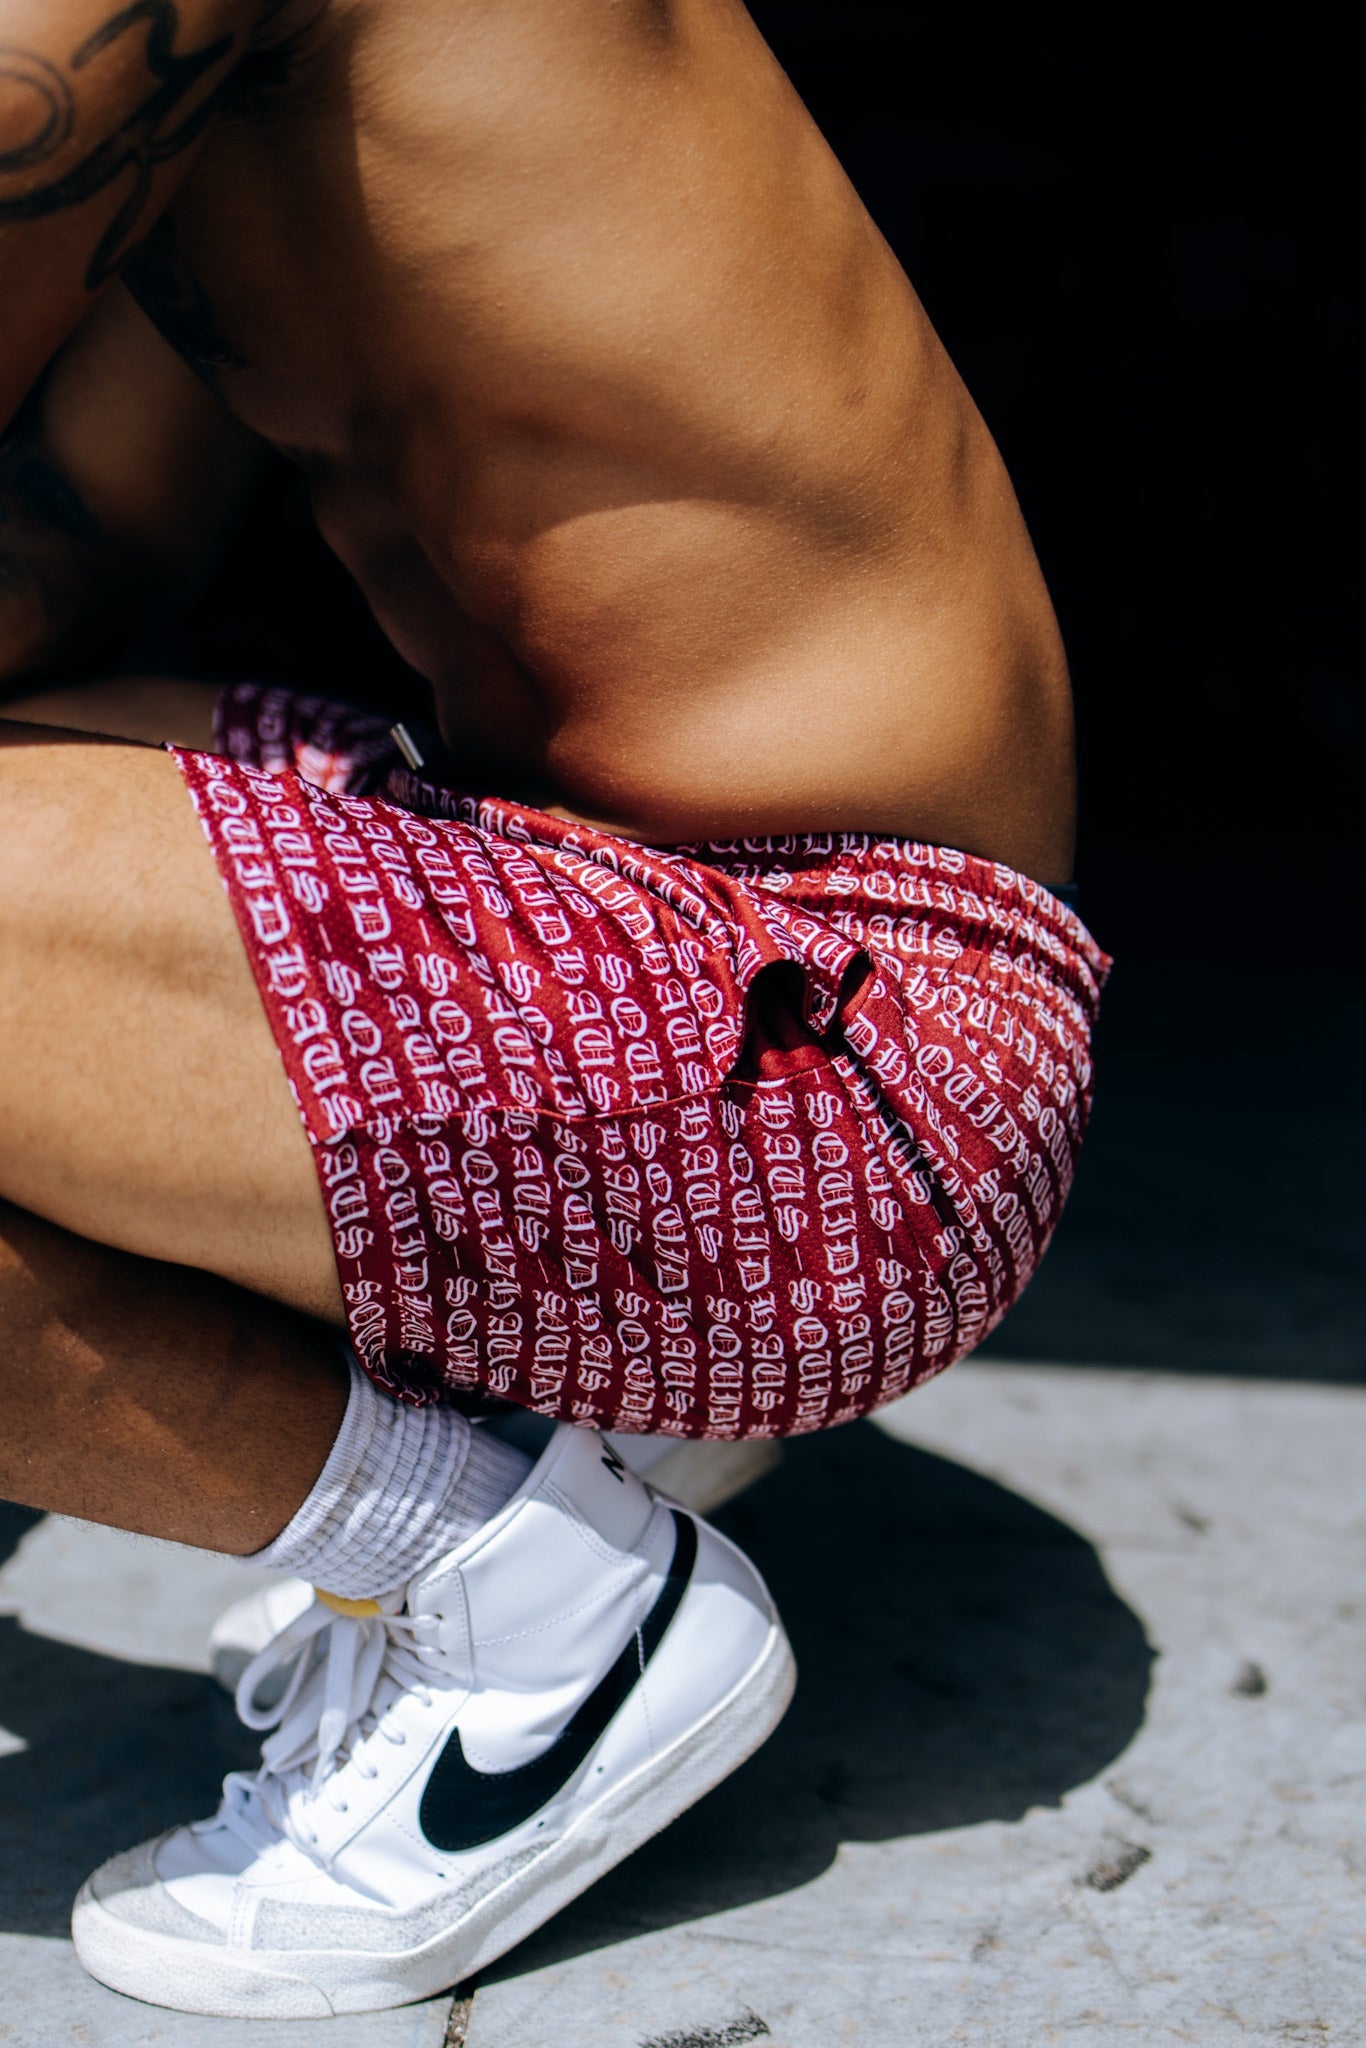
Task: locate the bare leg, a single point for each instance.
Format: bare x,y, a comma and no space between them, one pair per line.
147,708
142,1100
153,1398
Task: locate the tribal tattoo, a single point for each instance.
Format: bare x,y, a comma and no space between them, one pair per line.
151,133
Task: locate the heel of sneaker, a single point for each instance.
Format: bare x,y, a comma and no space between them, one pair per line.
619,1823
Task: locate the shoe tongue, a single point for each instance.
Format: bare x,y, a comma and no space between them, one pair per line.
361,1610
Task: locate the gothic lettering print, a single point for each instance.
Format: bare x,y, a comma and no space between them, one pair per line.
725,1140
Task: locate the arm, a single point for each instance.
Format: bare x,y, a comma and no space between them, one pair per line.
118,482
101,107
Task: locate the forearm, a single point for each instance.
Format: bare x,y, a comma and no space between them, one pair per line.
102,106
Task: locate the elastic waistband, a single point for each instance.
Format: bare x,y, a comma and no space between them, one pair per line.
993,910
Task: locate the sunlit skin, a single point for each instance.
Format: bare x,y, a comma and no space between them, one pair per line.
640,446
616,404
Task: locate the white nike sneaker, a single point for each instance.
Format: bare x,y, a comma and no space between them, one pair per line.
453,1765
695,1472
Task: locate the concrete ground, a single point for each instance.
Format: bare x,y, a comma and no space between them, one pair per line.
1079,1751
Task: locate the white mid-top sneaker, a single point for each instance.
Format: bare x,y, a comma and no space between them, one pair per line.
450,1767
694,1472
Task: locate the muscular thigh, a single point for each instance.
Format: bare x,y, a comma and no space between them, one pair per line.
150,708
142,1100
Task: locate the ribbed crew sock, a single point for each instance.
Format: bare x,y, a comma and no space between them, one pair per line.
401,1487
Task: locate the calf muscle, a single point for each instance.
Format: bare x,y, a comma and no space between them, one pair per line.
142,1101
163,1379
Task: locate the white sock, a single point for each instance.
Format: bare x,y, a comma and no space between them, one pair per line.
401,1487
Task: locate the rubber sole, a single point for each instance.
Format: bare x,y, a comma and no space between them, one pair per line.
190,1976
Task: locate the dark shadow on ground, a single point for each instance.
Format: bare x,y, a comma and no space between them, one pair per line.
963,1658
1218,1223
116,1752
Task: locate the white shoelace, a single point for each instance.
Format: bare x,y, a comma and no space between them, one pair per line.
333,1704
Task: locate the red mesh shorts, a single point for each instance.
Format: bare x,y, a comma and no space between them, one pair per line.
719,1140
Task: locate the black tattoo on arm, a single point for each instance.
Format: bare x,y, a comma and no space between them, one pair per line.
155,130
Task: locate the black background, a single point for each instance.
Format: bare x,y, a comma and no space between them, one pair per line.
1136,231
1132,228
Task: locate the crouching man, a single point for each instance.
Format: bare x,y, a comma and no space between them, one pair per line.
685,1033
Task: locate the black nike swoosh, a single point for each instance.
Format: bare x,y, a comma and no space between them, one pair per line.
463,1808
